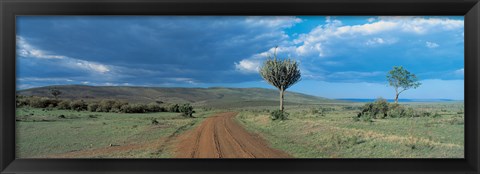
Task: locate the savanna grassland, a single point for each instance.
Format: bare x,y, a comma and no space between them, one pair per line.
332,131
315,127
43,133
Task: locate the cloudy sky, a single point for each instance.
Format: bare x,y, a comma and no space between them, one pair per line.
340,57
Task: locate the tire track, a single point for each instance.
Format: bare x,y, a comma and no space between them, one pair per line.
219,136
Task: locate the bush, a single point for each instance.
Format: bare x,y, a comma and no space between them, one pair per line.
382,109
117,105
78,105
65,104
105,105
134,108
155,121
38,102
186,110
377,109
154,107
173,108
398,111
279,115
22,101
125,109
92,107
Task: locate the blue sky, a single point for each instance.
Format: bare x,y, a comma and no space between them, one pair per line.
340,57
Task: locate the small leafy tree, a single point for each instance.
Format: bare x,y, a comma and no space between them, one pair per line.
281,74
402,80
55,92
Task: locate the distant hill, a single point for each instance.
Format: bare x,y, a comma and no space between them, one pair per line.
399,100
215,96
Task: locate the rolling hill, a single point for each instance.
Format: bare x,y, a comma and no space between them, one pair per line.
214,96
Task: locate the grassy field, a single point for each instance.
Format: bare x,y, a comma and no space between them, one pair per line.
311,131
63,133
335,134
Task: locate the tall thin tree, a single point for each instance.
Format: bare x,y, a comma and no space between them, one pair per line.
280,73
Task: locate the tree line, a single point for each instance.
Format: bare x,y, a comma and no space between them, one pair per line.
114,106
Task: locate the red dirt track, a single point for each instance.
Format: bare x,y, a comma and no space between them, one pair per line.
219,136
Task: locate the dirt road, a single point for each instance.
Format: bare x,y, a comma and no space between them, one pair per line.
219,136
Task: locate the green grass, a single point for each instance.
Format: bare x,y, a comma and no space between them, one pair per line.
337,135
43,133
306,134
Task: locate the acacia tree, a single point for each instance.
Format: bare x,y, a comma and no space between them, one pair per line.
55,92
402,80
280,73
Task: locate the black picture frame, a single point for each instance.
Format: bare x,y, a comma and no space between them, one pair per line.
9,9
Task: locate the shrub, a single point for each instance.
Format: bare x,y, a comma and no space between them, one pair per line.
173,108
134,108
117,105
38,102
78,105
154,107
105,105
381,109
279,115
125,109
65,104
425,114
397,111
22,101
186,110
319,112
92,107
155,121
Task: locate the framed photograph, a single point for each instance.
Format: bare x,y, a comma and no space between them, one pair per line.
239,86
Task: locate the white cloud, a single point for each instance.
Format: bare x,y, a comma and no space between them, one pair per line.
247,66
317,42
423,25
24,49
366,29
27,50
90,66
431,44
252,64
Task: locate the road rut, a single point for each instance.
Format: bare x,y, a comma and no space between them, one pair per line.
219,136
